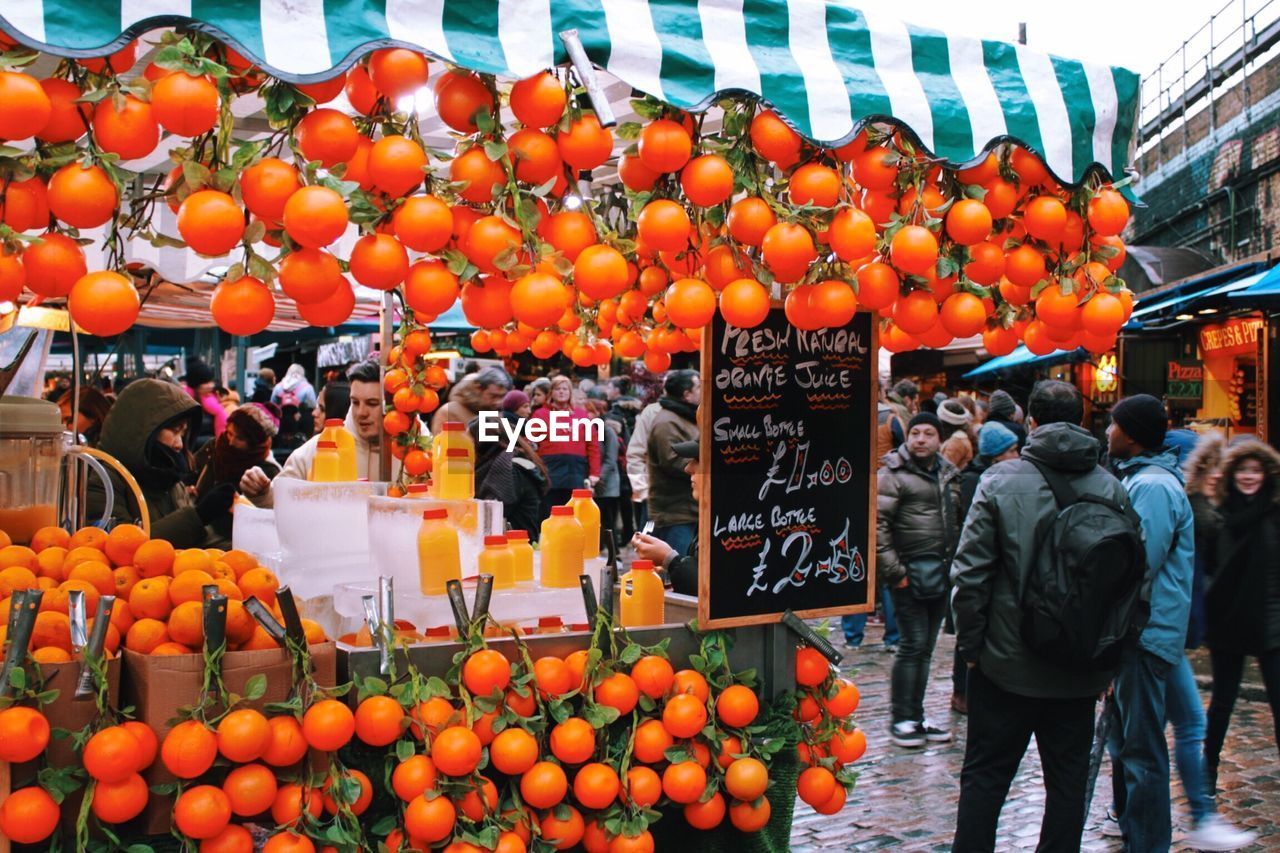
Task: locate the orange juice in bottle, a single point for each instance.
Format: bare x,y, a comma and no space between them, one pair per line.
327,465
522,554
588,515
496,559
334,431
642,596
452,434
455,480
561,548
438,553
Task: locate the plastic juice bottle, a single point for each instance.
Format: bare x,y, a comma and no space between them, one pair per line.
642,596
522,554
561,548
588,515
334,431
496,559
438,553
455,481
452,434
327,466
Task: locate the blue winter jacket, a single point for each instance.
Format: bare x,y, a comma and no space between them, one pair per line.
1155,485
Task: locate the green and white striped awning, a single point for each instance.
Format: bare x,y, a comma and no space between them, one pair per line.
826,67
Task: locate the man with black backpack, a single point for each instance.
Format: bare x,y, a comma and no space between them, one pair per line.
1139,752
1047,587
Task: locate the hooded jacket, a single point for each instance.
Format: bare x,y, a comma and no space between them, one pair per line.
670,492
998,549
1158,493
1242,596
129,434
298,465
916,512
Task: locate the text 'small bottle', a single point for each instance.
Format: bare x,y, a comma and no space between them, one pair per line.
561,548
334,431
588,515
522,554
439,559
642,597
327,465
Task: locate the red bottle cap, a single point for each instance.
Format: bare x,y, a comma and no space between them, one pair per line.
550,622
518,535
562,510
582,493
434,514
438,631
495,541
452,426
642,565
333,422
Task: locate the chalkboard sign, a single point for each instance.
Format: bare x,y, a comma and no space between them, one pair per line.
788,455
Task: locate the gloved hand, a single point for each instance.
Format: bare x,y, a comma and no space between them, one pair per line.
216,503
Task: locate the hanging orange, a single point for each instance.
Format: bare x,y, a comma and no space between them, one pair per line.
480,174
600,272
664,146
459,96
538,299
916,313
184,104
1108,212
423,223
852,234
396,164
333,310
707,180
131,131
24,107
266,186
430,288
83,197
53,265
538,101
878,285
315,216
690,302
242,307
1024,265
636,175
328,136
788,250
68,117
774,139
211,222
379,261
986,264
585,145
309,275
814,184
914,250
832,302
963,315
1044,217
487,303
664,225
968,222
749,219
104,303
361,93
569,231
398,71
535,156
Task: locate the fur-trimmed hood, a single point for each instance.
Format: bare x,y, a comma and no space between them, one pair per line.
1250,449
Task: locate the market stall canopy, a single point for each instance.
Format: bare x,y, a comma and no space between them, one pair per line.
1023,357
827,68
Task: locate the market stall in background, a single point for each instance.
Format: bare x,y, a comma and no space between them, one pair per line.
778,191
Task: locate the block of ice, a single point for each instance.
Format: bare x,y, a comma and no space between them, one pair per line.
323,532
254,530
393,534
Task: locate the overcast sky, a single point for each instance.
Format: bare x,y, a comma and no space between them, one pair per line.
1135,34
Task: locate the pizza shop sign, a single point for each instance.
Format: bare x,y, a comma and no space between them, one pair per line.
1234,337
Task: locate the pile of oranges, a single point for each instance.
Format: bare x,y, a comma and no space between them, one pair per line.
829,740
708,221
158,590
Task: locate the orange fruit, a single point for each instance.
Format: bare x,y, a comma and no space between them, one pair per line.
267,185
543,785
184,104
968,222
1044,217
456,751
172,648
154,558
459,96
815,785
415,775
534,156
328,136
144,635
834,804
845,700
117,802
88,537
746,778
111,754
664,146
149,598
234,838
814,184
189,749
749,817
852,234
737,706
788,250
684,715
25,107
691,681
563,834
774,139
914,249
585,145
188,586
82,196
423,223
288,842
48,537
24,734
148,743
653,675
569,231
749,219
396,164
105,303
573,741
243,735
618,691
261,584
186,624
513,751
1108,212
315,216
811,667
202,811
379,720
430,821
706,815
538,101
684,782
28,815
479,173
486,671
397,71
360,803
292,799
288,743
652,740
52,268
51,562
328,725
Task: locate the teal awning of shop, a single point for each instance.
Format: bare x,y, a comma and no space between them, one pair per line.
1189,295
1023,357
1265,292
827,68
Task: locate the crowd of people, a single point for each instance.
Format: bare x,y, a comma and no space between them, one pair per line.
193,446
1070,569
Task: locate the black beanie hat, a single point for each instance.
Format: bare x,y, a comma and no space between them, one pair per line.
925,419
1143,419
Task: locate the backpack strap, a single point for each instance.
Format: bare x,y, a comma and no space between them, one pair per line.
1063,493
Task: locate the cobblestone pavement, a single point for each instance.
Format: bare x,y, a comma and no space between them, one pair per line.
906,799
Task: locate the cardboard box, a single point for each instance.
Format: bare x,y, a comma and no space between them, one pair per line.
158,686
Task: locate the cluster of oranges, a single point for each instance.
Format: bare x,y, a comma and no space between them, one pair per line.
829,740
158,590
722,220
